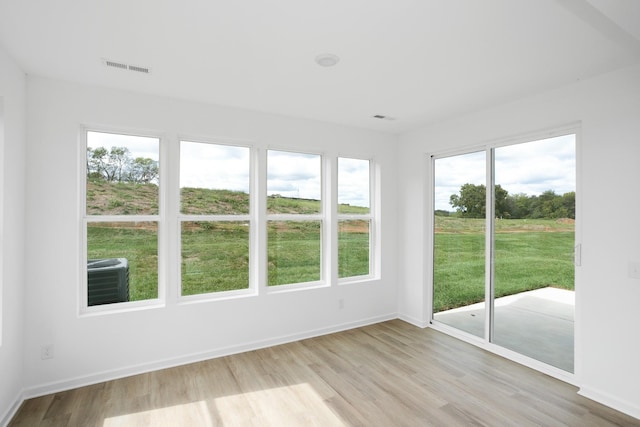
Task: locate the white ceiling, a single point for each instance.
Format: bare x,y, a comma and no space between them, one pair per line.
419,61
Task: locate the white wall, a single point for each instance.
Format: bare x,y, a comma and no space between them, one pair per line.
88,349
609,189
12,205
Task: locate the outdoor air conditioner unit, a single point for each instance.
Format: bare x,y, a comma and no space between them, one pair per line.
108,280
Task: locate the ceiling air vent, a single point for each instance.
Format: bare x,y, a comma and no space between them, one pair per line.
381,117
123,66
139,69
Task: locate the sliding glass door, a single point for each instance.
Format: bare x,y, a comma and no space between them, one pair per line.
516,255
459,242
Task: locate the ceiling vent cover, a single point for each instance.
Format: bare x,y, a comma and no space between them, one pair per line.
383,117
128,67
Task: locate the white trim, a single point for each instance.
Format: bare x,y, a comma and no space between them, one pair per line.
58,386
176,259
214,218
375,207
12,410
216,140
428,238
485,342
629,408
289,287
83,309
489,245
295,217
413,321
355,279
372,217
551,132
122,307
120,130
578,316
260,248
347,217
122,218
2,181
217,296
329,244
282,149
321,217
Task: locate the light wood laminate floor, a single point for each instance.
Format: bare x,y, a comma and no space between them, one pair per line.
388,374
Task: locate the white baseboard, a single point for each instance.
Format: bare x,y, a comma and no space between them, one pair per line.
629,408
57,386
11,411
53,387
412,320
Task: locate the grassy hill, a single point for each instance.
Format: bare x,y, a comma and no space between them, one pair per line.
215,255
529,253
118,198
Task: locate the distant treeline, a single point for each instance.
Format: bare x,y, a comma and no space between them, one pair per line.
471,203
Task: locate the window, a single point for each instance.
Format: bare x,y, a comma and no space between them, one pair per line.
122,214
235,220
354,218
214,217
294,217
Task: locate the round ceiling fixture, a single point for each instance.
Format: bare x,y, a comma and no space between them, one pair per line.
327,60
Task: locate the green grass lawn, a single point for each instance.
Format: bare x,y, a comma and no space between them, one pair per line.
293,252
529,254
138,243
215,255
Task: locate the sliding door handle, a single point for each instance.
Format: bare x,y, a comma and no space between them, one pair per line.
577,255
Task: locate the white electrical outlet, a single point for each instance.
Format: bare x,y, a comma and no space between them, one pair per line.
634,270
340,304
46,351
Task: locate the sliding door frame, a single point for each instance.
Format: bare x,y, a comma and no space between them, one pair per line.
486,342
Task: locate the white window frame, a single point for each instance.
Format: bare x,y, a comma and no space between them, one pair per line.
169,219
251,218
325,225
159,219
370,217
486,341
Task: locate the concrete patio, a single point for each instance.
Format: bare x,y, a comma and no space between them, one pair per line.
538,324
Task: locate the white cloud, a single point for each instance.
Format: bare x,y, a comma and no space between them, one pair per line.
213,166
139,146
529,168
353,182
294,175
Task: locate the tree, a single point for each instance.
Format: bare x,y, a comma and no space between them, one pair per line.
521,205
97,160
143,170
569,202
501,198
471,202
116,165
119,163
